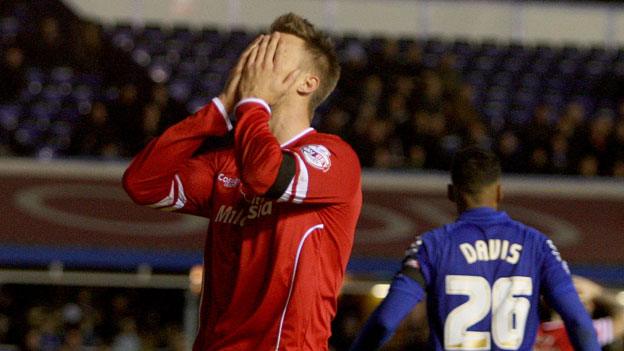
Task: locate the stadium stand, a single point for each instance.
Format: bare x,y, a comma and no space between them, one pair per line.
403,103
66,318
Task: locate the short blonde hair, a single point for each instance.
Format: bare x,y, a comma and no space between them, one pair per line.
320,46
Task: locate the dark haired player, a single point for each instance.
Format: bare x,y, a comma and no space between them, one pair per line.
482,275
283,201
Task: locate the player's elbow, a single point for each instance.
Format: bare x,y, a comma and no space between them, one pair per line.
133,187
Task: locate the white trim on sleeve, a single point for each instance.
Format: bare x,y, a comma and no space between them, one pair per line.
297,137
167,200
180,201
288,193
302,181
254,100
224,113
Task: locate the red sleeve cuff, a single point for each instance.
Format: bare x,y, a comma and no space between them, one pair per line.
250,103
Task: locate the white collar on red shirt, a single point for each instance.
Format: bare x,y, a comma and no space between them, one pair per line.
297,137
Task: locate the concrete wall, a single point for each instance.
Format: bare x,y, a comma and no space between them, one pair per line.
531,22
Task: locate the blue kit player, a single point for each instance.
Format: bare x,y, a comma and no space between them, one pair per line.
483,275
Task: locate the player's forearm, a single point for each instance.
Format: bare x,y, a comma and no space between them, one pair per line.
404,294
258,152
148,178
578,323
372,336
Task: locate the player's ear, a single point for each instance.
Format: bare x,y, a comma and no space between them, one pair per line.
308,84
450,193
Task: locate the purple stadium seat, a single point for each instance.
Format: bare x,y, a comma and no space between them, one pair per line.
10,116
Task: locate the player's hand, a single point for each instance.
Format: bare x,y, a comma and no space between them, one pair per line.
229,96
265,75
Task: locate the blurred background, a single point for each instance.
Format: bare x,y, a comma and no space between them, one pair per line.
84,84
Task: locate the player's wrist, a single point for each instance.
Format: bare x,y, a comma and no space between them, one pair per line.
227,101
223,111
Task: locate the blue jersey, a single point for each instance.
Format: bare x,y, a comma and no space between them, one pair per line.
483,275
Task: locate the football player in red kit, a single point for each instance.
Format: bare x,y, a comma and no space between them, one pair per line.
283,200
553,336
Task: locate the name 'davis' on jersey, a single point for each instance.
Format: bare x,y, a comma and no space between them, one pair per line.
493,249
259,207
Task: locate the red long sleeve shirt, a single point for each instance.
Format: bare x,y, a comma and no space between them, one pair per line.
273,268
553,336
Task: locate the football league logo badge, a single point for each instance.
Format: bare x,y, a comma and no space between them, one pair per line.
317,156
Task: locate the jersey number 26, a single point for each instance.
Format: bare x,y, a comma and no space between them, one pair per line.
509,312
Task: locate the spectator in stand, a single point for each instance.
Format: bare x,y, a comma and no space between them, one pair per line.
396,109
538,161
171,110
431,98
385,62
411,64
616,141
559,159
95,135
461,111
336,121
72,340
372,91
413,134
32,341
13,72
596,140
152,122
89,53
588,166
510,152
618,169
127,339
449,76
538,133
126,119
436,130
50,47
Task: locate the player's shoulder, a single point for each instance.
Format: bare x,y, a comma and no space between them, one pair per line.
328,147
428,238
335,143
529,232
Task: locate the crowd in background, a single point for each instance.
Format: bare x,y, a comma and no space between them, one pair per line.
395,112
73,319
398,114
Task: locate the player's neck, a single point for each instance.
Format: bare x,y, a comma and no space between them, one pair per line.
467,205
288,121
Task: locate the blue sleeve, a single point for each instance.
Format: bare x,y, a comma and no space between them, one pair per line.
561,295
404,294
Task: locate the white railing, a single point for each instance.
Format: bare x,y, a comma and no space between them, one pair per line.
599,188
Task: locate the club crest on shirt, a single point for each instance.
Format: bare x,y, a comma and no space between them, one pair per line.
317,156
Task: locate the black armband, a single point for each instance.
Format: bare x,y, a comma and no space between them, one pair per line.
284,177
415,274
